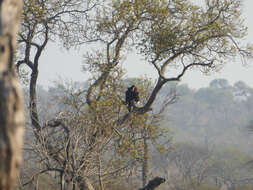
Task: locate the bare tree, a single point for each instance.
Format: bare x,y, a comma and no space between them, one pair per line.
190,166
11,100
44,21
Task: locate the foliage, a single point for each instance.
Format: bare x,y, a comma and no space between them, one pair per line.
80,135
128,146
172,36
93,137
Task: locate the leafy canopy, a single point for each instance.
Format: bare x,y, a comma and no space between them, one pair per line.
172,35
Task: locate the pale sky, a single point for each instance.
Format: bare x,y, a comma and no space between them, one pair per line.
57,63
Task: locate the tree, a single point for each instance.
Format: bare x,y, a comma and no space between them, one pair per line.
242,91
190,166
219,83
172,35
11,105
86,145
44,21
230,166
169,34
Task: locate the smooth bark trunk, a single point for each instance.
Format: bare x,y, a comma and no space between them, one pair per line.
11,100
145,163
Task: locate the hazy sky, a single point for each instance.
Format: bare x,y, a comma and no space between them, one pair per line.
57,63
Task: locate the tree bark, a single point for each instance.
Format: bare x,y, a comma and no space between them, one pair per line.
85,184
11,100
145,163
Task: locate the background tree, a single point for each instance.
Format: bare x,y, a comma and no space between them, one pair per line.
189,166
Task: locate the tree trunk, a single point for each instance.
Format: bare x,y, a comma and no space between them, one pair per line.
62,187
11,100
85,184
145,163
99,174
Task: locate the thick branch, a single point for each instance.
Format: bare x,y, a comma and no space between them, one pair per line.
177,78
41,172
56,123
147,106
33,82
110,65
161,81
